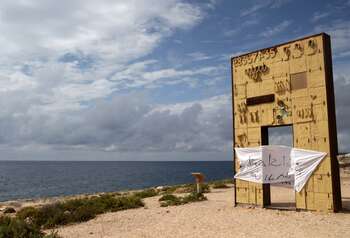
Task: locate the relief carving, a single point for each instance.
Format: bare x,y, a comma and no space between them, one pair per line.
242,140
282,111
282,86
286,53
255,57
242,109
304,113
311,47
256,72
298,50
254,117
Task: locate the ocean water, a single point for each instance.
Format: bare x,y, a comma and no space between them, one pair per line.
35,179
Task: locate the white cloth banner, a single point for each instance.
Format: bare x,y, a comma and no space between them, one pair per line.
277,164
304,163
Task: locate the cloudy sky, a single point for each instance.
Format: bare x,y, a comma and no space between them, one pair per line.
143,79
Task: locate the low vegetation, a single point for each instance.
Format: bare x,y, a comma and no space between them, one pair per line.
77,210
172,200
146,193
30,221
186,188
18,228
9,210
219,184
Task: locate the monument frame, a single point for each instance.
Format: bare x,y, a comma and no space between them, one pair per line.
290,84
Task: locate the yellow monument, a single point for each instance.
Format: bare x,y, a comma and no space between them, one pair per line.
289,84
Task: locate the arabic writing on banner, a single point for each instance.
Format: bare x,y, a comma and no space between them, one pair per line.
265,164
278,165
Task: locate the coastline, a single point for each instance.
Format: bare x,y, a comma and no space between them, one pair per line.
214,217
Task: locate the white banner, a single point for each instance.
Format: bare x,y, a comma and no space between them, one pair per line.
277,164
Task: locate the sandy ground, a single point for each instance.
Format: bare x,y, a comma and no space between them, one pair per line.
216,218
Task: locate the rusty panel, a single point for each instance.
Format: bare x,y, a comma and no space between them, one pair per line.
297,65
324,167
310,200
299,73
241,137
254,135
322,183
240,91
318,95
238,76
267,87
254,116
242,195
298,81
303,110
253,89
323,202
309,186
316,78
282,85
300,200
242,183
315,62
252,193
266,112
259,195
320,112
280,70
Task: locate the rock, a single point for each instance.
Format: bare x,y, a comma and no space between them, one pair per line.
160,187
9,210
28,220
67,213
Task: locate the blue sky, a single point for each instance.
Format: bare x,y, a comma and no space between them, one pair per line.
143,80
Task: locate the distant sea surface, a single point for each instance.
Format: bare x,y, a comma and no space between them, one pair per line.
35,179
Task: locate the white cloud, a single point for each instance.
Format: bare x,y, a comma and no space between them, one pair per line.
63,53
123,123
271,31
263,4
141,74
340,34
59,57
319,15
199,56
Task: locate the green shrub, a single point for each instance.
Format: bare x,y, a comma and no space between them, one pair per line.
9,210
220,184
77,210
186,188
18,228
172,200
168,197
146,193
204,188
194,197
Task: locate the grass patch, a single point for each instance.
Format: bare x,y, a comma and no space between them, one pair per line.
186,188
77,210
219,184
172,200
18,228
146,193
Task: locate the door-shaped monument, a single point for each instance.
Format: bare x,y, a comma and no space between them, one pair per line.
289,84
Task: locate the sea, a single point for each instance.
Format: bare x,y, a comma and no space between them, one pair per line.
41,179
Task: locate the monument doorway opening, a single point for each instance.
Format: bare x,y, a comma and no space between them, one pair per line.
282,196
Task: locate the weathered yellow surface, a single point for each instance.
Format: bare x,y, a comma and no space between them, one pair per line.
295,73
